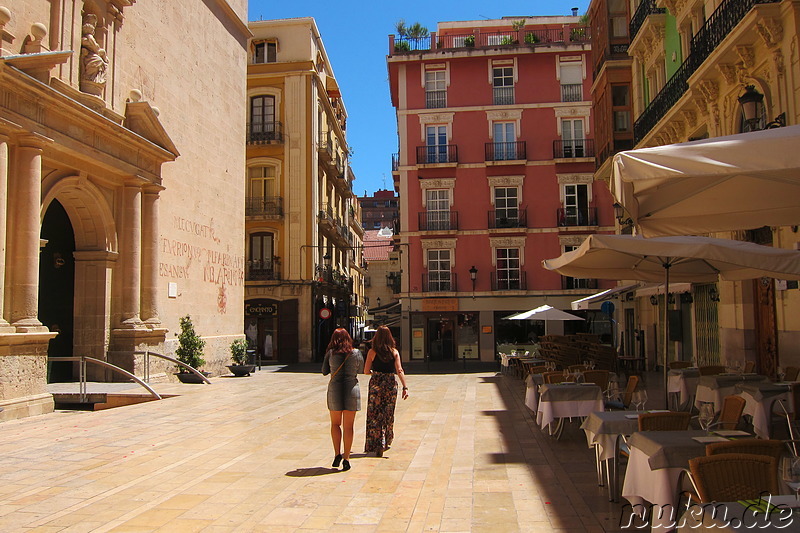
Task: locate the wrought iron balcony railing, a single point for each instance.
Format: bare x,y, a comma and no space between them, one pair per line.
438,220
508,280
576,216
573,148
435,99
264,132
716,28
645,9
571,92
393,281
508,218
258,270
493,39
439,281
506,151
395,162
437,153
264,205
503,95
577,283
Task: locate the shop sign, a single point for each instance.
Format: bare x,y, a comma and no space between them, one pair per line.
440,305
261,308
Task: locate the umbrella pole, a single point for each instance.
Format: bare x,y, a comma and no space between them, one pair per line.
666,334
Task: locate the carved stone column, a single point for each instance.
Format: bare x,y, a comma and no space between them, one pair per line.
4,326
25,184
131,255
150,235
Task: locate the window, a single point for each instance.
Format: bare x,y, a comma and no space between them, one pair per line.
503,85
266,52
572,137
508,275
439,276
621,107
576,205
618,18
438,209
571,75
506,207
262,117
261,253
505,141
435,89
262,195
497,39
576,283
436,143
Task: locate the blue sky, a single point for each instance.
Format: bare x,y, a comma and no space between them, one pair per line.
355,34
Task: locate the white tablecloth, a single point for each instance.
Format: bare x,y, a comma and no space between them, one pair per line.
716,395
643,485
682,383
549,410
760,410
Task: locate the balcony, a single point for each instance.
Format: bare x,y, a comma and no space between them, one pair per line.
271,206
333,276
573,149
511,38
438,221
576,216
571,92
264,133
716,28
577,283
393,281
437,154
325,145
439,281
263,270
645,9
435,99
508,280
395,162
506,151
503,95
508,218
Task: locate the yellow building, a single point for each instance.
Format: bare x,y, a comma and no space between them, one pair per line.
695,65
121,202
302,265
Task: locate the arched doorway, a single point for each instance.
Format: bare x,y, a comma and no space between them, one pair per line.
57,287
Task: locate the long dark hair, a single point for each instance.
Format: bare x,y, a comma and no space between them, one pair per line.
341,342
383,344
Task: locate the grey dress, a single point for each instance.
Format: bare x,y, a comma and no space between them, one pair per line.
343,391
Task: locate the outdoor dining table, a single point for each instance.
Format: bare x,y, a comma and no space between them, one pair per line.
682,382
714,388
654,465
566,400
603,430
760,398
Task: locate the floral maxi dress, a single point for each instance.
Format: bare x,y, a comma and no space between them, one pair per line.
380,411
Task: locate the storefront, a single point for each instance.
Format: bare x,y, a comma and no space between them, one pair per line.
271,329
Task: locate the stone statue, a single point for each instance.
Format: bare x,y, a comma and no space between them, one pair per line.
93,59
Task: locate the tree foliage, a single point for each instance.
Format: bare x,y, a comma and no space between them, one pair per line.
190,345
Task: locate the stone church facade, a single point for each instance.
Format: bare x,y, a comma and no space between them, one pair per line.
122,135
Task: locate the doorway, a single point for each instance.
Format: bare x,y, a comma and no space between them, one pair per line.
57,288
440,339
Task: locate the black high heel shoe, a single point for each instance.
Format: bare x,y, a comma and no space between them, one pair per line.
345,465
337,460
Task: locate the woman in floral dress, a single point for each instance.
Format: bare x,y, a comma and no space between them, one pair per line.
382,365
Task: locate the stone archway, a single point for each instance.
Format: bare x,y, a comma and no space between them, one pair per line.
96,246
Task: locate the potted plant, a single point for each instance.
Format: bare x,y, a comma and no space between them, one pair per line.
190,352
531,38
240,367
469,40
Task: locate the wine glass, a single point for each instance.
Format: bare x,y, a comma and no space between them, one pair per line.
612,392
592,364
637,400
643,398
790,470
566,374
781,373
706,416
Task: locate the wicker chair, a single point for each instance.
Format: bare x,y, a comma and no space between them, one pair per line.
731,413
541,369
791,373
633,382
730,477
749,367
675,365
578,368
598,377
671,421
557,377
711,370
768,447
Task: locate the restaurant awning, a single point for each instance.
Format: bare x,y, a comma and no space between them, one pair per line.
607,294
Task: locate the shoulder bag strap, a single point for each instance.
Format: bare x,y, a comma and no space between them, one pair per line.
340,366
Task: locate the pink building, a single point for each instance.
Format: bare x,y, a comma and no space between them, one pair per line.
495,173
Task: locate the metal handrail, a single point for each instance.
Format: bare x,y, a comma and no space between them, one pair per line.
82,359
147,355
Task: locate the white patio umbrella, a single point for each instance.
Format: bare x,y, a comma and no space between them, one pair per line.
689,259
727,183
546,313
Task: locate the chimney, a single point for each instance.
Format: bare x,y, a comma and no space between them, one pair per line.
574,11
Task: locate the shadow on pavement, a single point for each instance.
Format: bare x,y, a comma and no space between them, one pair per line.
315,471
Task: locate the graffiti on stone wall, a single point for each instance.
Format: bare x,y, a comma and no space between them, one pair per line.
184,260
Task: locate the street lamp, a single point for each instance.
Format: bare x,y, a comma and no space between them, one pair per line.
751,102
379,300
473,275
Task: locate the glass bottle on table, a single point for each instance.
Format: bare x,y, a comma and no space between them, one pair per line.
790,471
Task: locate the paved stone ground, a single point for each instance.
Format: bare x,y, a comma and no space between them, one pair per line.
253,454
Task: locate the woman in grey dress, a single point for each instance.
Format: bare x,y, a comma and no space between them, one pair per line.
343,363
